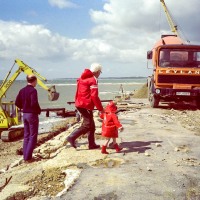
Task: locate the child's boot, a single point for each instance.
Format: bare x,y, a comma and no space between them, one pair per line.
117,148
103,150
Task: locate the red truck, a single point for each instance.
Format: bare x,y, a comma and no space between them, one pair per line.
176,71
176,68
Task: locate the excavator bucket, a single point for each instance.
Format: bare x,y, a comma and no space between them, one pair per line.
53,95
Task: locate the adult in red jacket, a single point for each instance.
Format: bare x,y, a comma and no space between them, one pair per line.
85,100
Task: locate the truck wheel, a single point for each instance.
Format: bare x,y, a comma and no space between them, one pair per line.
154,101
198,103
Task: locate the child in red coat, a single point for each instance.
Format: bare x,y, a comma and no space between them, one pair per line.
110,126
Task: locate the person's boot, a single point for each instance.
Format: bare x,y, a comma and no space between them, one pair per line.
117,148
94,146
91,141
103,150
71,140
72,137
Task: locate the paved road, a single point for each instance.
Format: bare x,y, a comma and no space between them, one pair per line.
161,160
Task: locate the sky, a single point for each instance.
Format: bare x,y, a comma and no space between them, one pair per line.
60,38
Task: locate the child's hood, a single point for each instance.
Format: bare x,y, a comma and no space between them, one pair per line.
111,107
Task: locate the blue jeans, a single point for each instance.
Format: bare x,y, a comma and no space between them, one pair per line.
31,124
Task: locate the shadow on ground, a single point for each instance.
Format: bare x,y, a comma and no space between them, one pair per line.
179,106
137,146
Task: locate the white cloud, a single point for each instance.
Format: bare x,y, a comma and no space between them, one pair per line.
62,4
35,42
140,18
22,39
133,27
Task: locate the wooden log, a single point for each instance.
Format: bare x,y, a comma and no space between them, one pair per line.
48,110
72,102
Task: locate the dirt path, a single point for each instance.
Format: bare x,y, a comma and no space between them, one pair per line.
160,160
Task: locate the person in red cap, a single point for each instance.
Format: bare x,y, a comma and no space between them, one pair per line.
110,126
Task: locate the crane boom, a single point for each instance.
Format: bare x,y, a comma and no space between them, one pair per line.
173,26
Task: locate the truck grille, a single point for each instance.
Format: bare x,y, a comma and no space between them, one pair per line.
179,79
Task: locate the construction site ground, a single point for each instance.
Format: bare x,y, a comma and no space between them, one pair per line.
160,160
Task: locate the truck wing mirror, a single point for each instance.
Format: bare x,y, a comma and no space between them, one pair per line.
149,55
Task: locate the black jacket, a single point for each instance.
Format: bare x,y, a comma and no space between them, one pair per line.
27,100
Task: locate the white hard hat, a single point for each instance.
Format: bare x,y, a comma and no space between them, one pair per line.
95,67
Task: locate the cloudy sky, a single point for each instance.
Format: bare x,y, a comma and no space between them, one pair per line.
59,38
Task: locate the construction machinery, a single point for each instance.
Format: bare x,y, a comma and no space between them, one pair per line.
176,69
10,115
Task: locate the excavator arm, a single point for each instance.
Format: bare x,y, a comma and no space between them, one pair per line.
52,94
7,82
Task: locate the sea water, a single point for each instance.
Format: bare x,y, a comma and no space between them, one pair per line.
108,89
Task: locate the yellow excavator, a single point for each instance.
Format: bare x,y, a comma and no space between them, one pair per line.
10,115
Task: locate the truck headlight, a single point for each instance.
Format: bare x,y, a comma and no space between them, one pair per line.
157,91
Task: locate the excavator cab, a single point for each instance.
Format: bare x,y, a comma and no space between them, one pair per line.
14,114
10,117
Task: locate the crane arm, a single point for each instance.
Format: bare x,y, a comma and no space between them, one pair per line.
52,94
170,20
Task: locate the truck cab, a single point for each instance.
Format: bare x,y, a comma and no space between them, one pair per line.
176,72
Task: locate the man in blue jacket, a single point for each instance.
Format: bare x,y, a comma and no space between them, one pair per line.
27,100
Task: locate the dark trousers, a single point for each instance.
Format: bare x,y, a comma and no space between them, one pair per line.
88,126
31,124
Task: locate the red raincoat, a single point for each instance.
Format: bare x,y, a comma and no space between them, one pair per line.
110,123
87,92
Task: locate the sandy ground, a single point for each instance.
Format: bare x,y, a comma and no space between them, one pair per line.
160,160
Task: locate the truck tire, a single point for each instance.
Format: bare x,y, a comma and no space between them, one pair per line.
153,99
198,102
